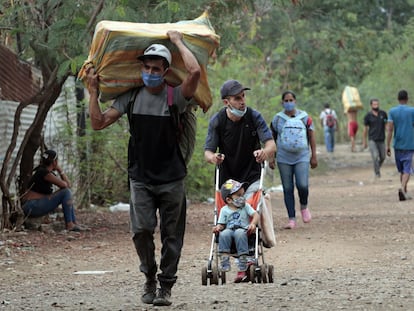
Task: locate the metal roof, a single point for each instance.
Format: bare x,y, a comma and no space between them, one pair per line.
19,80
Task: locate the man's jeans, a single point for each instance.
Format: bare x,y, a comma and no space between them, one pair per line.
169,201
290,175
377,149
329,133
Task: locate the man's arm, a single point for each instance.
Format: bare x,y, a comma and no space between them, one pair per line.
99,119
213,157
270,149
267,152
364,136
189,85
390,130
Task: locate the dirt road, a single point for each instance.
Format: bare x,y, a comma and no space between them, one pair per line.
356,254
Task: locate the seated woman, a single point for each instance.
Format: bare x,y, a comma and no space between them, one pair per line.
40,199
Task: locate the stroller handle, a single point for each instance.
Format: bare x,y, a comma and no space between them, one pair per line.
217,177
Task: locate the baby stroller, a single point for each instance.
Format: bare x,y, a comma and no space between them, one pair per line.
258,271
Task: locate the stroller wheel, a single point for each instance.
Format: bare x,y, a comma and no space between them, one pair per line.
223,277
263,272
270,273
214,276
204,276
252,273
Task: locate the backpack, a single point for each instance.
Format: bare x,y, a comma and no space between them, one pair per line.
185,123
294,134
330,119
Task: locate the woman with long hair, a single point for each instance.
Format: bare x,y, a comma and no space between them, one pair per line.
40,199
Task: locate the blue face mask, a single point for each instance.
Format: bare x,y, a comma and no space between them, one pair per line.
238,113
152,80
289,106
239,202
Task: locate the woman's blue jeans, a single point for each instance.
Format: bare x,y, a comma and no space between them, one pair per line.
240,239
43,206
291,174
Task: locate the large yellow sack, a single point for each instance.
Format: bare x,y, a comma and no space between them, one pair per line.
351,99
116,46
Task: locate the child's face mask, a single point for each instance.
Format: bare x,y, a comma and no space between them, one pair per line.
239,202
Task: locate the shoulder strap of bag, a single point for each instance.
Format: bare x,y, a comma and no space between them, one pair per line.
130,107
174,113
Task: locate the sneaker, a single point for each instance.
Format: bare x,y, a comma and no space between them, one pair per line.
225,264
150,289
291,224
163,297
241,277
401,195
306,215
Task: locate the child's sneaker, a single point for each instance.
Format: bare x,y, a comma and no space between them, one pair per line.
241,277
225,264
306,215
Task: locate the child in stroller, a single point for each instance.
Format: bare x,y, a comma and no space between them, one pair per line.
236,221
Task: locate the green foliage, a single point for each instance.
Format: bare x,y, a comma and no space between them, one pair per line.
103,167
391,72
200,179
314,48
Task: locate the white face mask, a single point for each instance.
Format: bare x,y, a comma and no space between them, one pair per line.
236,112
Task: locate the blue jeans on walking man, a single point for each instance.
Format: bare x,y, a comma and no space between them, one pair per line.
329,133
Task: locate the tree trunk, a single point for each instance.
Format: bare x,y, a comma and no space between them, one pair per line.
30,144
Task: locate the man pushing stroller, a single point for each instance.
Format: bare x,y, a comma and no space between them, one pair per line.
237,220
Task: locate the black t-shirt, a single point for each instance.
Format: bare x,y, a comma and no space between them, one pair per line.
237,141
376,125
38,183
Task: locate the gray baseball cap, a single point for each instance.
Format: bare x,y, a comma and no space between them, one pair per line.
157,50
231,88
231,186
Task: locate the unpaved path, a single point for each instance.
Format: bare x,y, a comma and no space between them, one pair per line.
356,254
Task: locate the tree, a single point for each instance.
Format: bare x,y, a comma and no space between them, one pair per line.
46,32
56,36
314,47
